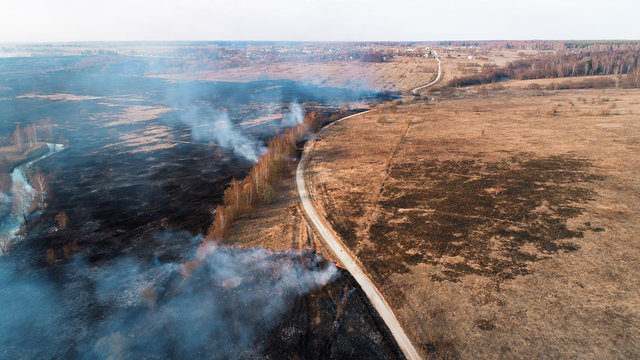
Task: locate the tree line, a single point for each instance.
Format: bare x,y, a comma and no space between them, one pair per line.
547,45
27,137
568,64
241,196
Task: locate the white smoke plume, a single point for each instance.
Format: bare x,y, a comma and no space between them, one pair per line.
209,125
224,308
294,117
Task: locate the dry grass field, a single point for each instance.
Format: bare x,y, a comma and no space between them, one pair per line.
500,223
401,74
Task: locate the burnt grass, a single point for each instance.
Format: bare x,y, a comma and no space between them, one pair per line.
335,321
484,213
117,203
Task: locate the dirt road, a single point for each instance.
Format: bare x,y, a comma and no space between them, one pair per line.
349,261
415,91
351,264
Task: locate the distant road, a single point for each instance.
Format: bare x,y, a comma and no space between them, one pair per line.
415,91
349,261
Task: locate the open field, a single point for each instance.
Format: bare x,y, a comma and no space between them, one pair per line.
401,74
497,225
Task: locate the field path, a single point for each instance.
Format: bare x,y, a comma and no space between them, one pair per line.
349,261
415,91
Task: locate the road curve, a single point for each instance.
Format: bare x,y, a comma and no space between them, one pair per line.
415,91
347,260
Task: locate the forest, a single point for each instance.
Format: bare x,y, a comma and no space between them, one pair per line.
566,64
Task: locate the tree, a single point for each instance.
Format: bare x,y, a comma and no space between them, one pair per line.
248,190
21,200
47,127
220,224
268,194
62,220
258,186
5,242
32,136
17,137
40,183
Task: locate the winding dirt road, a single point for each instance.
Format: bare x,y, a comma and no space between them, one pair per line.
348,260
415,91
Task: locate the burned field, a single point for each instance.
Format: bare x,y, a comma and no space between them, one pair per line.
146,162
228,303
144,154
485,215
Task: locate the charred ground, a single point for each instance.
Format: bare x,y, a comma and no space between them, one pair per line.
135,172
484,213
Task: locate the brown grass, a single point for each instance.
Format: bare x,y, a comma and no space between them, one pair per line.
502,226
402,74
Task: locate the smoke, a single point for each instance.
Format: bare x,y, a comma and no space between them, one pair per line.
209,125
294,117
224,308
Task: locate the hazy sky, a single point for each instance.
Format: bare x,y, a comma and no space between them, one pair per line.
86,20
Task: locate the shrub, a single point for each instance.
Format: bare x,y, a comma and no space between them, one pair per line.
62,220
630,81
50,255
268,194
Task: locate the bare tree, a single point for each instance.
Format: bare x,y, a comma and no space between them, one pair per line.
32,135
17,137
40,183
21,200
258,186
248,190
50,255
5,242
34,132
62,220
47,127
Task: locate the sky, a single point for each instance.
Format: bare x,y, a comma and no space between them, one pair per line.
316,20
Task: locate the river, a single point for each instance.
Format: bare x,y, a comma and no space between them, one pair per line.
10,224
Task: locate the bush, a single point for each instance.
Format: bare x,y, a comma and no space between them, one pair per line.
62,220
372,56
630,81
487,76
595,83
268,194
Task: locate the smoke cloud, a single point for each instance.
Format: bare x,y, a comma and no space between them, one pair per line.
224,308
294,117
209,125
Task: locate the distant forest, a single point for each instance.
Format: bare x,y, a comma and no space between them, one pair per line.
565,64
